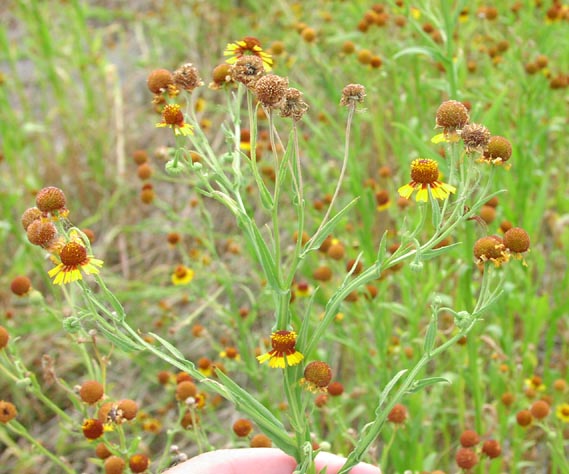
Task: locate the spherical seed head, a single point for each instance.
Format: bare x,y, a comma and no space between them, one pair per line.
159,80
183,377
20,285
452,115
7,411
4,337
185,390
140,156
488,214
144,171
242,427
335,389
187,77
517,240
469,438
114,465
560,385
293,105
540,409
129,408
270,90
50,199
221,74
92,428
172,115
508,398
321,400
73,254
189,419
466,458
424,171
41,233
499,148
247,70
30,215
138,463
101,451
336,251
524,417
355,267
318,373
491,448
322,273
91,391
475,137
260,441
364,56
398,414
352,94
490,247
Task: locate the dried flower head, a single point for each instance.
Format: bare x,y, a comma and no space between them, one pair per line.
248,46
114,465
128,408
398,414
74,259
425,177
352,94
335,389
187,77
490,248
524,418
466,458
242,427
498,151
451,116
270,90
50,200
42,233
20,285
247,70
475,137
540,409
517,241
261,441
221,75
91,391
469,438
159,81
92,428
317,376
7,411
293,105
30,215
284,352
491,448
138,462
185,390
173,117
4,337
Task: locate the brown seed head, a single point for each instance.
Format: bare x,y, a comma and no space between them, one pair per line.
7,411
466,458
322,273
524,417
91,391
321,400
186,389
398,414
242,427
517,240
308,35
277,48
318,373
488,214
4,337
488,248
560,385
508,398
129,408
540,409
50,199
41,233
221,75
140,156
261,441
499,148
159,80
114,465
469,438
271,89
92,428
20,285
475,137
144,171
102,452
293,105
138,463
348,47
336,251
357,268
491,448
30,215
352,94
452,115
187,77
335,389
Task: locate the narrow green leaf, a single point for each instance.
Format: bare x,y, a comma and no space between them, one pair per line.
436,211
430,336
169,347
432,253
387,390
421,384
120,340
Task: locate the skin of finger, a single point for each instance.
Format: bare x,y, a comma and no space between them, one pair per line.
260,461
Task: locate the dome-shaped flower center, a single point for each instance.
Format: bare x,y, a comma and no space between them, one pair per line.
73,254
424,171
318,373
173,115
283,341
181,271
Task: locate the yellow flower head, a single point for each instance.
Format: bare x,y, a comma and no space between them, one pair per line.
173,117
182,275
562,412
248,46
284,353
425,176
73,259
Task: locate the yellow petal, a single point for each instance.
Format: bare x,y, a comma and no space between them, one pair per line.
439,138
406,191
422,195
